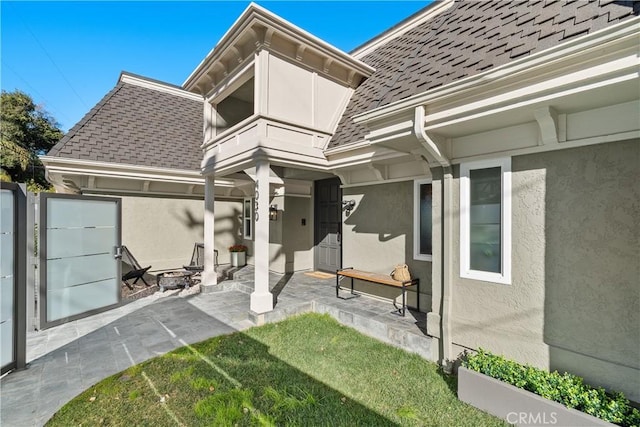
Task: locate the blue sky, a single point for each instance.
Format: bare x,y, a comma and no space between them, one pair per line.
68,55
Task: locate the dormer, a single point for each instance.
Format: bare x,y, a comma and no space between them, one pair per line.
269,83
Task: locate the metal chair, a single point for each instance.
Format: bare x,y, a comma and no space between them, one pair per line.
197,258
137,272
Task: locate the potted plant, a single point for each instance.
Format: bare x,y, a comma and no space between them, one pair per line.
238,255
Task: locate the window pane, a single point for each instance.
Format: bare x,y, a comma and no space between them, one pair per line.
425,219
485,217
247,218
247,228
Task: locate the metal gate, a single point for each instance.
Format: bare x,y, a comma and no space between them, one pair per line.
13,270
79,249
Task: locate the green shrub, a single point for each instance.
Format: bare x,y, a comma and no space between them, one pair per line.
566,389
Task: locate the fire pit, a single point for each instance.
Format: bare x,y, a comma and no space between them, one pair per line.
175,280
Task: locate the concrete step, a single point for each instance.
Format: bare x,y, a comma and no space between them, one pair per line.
395,334
390,333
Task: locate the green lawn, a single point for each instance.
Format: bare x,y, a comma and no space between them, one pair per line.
306,371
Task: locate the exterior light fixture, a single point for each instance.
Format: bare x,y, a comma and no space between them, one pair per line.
273,213
348,206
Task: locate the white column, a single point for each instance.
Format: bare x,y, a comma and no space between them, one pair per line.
261,298
209,275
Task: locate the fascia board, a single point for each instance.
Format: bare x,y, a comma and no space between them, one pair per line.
119,170
314,42
430,12
224,41
623,35
157,86
255,13
346,148
584,80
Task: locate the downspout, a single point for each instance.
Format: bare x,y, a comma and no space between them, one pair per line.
447,263
446,215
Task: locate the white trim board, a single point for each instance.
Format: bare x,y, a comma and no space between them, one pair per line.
504,277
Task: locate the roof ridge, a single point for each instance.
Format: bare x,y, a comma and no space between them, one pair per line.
85,119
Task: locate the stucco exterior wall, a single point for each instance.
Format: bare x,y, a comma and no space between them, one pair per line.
592,263
378,234
161,232
574,300
291,242
298,237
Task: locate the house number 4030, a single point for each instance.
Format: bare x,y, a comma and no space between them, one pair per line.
255,207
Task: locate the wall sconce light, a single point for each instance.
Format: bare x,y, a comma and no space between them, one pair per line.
348,206
273,213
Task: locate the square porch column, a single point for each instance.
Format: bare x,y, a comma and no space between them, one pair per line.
261,298
209,275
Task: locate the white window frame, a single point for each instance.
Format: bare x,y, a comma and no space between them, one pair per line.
504,277
416,220
248,236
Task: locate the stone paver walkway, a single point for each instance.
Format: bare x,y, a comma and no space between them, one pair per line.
67,359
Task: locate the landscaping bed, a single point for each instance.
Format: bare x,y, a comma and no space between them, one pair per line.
525,395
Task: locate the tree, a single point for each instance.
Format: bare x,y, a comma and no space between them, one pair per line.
26,131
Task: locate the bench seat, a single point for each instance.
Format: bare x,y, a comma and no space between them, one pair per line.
382,279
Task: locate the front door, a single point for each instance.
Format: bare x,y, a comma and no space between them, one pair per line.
328,225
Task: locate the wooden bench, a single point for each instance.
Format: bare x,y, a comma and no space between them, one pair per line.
381,279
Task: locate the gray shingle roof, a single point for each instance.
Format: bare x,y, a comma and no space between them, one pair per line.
468,38
138,126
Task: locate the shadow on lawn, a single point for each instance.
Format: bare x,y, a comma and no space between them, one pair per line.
224,381
245,385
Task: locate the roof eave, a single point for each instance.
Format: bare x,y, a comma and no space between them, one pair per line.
255,15
547,59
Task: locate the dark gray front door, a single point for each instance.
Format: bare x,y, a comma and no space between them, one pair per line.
328,225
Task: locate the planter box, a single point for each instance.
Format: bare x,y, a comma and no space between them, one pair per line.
238,259
518,406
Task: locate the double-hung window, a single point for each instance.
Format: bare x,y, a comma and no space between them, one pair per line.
422,219
485,220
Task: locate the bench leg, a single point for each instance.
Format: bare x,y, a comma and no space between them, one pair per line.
404,299
353,294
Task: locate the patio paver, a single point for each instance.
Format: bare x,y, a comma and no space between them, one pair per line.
67,359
